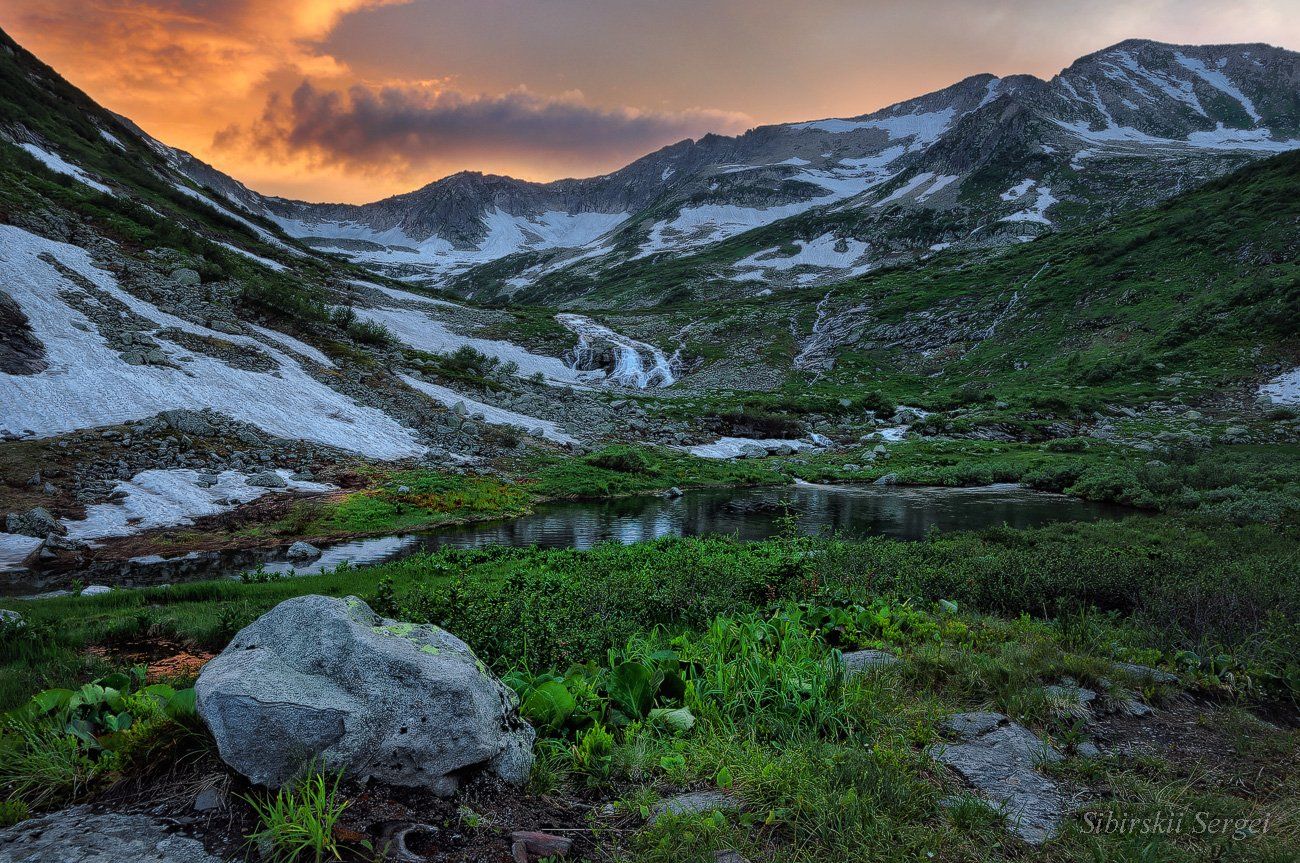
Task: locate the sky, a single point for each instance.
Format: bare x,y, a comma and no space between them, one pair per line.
354,100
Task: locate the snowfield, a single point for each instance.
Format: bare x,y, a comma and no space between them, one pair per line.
506,235
167,498
87,384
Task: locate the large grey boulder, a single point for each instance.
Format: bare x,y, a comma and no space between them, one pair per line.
1000,760
80,836
326,679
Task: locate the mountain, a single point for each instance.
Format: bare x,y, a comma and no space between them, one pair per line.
173,343
986,162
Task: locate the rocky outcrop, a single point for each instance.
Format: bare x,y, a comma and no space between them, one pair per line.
81,836
328,680
1000,760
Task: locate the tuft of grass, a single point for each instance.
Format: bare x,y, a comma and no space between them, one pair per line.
296,823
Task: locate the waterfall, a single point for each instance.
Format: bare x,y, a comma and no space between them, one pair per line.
625,360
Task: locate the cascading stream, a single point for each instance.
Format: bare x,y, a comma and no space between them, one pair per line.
625,360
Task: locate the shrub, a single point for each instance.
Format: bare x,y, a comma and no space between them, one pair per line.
624,459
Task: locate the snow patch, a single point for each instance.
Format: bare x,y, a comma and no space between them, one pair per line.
167,498
1037,213
1218,81
298,347
56,164
491,414
415,328
819,252
734,447
922,128
1016,192
1283,389
266,262
14,549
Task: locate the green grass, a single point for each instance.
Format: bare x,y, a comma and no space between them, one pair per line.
297,821
622,470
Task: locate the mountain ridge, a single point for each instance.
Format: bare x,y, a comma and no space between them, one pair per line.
1145,103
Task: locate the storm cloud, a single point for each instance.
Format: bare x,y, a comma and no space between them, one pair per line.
405,128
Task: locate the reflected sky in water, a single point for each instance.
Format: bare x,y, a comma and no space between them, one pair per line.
751,514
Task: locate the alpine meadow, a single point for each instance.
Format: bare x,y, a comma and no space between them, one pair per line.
916,485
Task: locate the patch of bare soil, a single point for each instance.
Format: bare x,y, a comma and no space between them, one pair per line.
197,795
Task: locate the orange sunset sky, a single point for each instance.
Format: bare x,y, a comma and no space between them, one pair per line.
352,100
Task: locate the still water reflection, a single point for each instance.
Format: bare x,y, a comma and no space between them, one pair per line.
899,512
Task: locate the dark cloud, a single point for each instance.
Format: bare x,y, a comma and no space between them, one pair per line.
399,128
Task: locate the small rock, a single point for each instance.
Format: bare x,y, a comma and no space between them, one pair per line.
673,492
887,479
12,618
208,799
303,551
188,422
533,843
1001,763
1087,750
1135,708
1145,673
186,277
859,661
851,468
78,835
694,803
96,590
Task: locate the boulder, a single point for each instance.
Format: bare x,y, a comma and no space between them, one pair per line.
187,277
323,679
96,590
267,479
80,836
8,617
887,479
188,422
303,551
36,522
